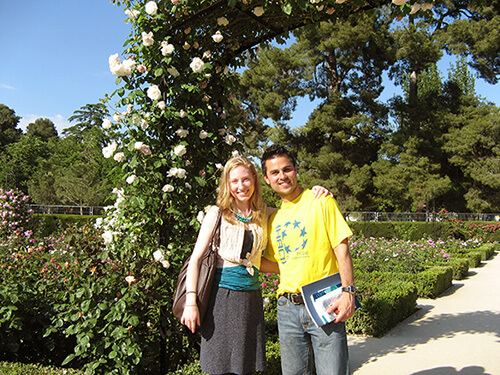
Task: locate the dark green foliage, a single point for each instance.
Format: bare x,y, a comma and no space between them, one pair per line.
460,267
9,368
385,302
9,133
42,128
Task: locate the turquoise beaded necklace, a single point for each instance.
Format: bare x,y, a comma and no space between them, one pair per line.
242,218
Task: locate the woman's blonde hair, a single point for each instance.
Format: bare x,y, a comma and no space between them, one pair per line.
225,200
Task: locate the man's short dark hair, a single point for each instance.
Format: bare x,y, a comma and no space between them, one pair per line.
274,151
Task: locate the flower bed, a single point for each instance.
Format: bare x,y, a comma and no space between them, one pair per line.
64,299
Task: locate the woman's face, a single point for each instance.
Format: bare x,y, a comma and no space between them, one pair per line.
241,184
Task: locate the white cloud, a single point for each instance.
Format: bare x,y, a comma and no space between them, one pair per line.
4,86
59,121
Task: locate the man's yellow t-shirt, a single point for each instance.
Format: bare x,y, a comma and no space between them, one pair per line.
302,236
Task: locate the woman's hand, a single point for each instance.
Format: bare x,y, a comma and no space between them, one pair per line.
191,317
319,191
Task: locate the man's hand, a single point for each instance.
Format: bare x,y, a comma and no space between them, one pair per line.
344,307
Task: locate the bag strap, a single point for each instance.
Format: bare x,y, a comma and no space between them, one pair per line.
214,231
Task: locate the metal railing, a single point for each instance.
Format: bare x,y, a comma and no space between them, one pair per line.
349,215
67,210
418,216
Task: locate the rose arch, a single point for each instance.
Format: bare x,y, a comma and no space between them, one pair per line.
177,121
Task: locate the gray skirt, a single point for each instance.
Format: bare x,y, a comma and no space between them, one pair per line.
233,333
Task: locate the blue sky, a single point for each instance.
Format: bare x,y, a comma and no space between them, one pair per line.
55,58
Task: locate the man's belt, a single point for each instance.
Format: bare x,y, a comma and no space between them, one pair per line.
295,298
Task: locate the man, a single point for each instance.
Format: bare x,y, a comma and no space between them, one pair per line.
308,239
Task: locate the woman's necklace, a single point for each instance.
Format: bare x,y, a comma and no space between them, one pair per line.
242,218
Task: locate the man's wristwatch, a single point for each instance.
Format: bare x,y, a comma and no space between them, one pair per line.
349,289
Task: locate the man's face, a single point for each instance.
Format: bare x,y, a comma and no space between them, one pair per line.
281,175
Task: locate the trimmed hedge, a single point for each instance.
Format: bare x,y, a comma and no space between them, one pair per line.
413,231
460,267
385,303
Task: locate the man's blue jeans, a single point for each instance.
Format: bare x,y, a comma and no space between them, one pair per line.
301,341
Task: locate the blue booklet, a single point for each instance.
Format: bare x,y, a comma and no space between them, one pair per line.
319,294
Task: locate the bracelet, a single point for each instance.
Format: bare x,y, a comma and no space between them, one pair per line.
191,291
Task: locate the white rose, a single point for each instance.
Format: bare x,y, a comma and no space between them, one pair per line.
177,172
219,166
119,157
147,38
167,188
144,124
166,48
197,65
222,21
235,153
151,8
203,134
138,145
113,59
158,256
109,150
217,37
399,2
187,185
145,150
162,105
132,13
182,132
173,71
154,92
259,11
117,116
130,179
230,139
107,236
128,65
182,113
427,6
106,123
165,263
180,150
115,66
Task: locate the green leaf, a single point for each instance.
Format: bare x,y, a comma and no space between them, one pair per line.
68,359
287,9
113,354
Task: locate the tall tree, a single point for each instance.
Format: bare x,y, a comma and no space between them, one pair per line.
474,34
9,132
42,128
343,135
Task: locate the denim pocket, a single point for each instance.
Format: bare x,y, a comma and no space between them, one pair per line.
282,302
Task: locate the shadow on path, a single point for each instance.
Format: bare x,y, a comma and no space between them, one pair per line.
417,331
470,370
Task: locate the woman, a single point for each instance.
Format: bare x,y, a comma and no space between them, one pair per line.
232,333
